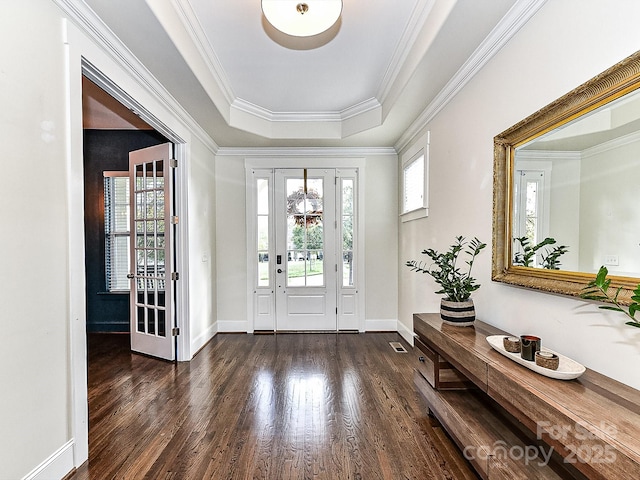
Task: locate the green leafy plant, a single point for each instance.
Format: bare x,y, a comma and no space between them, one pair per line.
456,284
549,257
598,290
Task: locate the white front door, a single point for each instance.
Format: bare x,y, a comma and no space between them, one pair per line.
151,194
305,249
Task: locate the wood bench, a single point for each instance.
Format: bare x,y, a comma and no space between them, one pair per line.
511,422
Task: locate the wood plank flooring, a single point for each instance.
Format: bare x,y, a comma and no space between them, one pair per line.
285,406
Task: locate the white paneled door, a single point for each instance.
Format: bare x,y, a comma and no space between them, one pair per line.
151,248
305,249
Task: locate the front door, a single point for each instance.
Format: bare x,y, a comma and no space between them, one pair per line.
305,248
151,193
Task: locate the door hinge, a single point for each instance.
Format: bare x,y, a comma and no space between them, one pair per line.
173,163
175,331
336,267
175,276
174,219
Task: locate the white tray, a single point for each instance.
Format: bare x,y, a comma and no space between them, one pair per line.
567,368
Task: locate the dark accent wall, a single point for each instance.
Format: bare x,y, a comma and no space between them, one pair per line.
105,150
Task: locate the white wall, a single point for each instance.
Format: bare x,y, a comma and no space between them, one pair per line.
381,241
231,247
202,286
609,209
34,286
43,405
565,44
565,215
380,237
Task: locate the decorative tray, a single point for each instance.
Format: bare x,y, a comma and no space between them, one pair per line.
567,369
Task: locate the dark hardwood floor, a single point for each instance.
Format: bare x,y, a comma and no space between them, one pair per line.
286,406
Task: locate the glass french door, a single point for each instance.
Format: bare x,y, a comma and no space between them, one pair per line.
305,266
151,193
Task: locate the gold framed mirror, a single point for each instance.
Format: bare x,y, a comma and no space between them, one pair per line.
569,176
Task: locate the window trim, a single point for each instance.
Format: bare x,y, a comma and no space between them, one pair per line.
546,167
417,150
127,235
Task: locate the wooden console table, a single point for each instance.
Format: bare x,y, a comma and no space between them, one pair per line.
511,422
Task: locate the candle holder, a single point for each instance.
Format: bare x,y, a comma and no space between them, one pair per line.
511,344
547,360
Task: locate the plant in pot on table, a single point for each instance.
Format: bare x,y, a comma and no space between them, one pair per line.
457,284
598,289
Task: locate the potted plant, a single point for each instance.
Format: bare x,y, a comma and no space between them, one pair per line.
598,290
549,258
457,284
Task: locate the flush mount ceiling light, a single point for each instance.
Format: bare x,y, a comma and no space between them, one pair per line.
302,18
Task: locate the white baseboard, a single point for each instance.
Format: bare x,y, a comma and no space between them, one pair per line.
371,325
405,333
233,326
56,466
387,325
202,339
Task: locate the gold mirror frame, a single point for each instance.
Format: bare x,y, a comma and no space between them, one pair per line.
615,82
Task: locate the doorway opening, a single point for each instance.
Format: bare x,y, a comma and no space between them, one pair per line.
129,173
110,132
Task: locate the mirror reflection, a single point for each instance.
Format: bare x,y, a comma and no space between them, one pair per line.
575,193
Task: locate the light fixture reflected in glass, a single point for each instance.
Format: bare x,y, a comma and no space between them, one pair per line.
302,18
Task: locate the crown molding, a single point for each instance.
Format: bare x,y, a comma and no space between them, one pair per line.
252,118
549,155
305,125
318,152
630,138
87,20
404,48
510,24
366,106
263,113
194,28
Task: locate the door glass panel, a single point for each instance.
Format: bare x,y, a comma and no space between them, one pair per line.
305,233
263,251
347,232
149,245
262,186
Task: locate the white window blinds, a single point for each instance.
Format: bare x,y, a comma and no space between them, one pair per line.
414,185
116,229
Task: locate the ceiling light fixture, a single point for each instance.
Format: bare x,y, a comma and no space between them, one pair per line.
302,18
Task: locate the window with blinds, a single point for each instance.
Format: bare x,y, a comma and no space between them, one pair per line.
413,184
116,229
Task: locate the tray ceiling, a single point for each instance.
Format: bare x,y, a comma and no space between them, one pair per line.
362,83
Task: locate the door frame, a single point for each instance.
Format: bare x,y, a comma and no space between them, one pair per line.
298,161
76,66
180,198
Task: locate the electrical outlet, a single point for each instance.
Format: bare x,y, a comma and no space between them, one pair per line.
611,260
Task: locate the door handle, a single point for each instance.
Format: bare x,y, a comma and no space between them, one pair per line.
279,270
129,275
